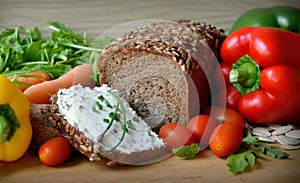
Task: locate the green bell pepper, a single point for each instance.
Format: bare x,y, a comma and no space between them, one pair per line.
284,17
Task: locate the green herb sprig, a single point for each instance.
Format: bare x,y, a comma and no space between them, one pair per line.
250,149
24,50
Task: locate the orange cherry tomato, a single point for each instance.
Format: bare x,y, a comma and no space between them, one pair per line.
176,135
226,115
55,151
226,139
202,127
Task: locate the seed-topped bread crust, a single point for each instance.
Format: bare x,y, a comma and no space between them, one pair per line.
179,87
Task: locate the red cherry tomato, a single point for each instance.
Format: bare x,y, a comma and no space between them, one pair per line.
226,139
226,115
176,135
55,151
202,127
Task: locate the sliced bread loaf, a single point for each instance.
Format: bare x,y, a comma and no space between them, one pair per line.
162,69
102,126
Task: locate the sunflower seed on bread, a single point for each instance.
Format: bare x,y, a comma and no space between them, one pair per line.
102,126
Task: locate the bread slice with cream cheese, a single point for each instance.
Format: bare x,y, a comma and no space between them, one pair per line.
102,126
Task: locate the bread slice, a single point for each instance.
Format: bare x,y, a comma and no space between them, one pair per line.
102,126
42,129
162,69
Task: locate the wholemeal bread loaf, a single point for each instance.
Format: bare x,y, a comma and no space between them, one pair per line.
102,126
162,69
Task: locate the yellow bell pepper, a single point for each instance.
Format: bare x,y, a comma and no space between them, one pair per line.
15,126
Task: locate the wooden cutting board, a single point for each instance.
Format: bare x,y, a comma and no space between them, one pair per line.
206,167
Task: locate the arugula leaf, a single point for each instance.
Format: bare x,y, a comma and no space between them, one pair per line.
24,50
250,149
187,152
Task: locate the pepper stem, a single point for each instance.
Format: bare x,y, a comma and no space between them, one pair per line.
4,128
245,75
8,122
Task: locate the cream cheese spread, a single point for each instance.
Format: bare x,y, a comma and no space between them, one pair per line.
106,119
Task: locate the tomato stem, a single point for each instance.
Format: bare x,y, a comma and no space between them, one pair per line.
245,75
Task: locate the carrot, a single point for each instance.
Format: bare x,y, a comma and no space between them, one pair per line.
41,93
33,78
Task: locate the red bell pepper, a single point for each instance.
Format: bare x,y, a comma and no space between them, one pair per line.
266,72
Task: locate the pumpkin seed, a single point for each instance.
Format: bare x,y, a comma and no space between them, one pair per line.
293,134
260,131
274,126
266,139
290,147
282,139
282,130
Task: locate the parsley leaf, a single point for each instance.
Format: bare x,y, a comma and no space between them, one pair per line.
238,162
187,152
250,149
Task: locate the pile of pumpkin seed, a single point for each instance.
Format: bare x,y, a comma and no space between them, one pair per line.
288,136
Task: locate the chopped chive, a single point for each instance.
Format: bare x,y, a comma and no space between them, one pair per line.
100,97
111,115
94,109
117,117
105,120
129,123
107,104
100,107
124,127
135,119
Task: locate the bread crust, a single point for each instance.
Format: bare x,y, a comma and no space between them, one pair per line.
43,130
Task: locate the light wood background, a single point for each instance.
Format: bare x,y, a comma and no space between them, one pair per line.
96,17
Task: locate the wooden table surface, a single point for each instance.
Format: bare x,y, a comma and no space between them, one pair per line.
97,17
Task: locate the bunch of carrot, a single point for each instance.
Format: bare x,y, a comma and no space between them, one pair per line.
41,87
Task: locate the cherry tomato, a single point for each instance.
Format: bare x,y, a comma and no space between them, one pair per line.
55,151
226,139
232,97
176,135
226,115
202,127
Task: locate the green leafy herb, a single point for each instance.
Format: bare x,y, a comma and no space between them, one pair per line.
187,152
24,50
250,149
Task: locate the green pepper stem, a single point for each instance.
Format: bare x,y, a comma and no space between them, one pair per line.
245,75
4,128
8,122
